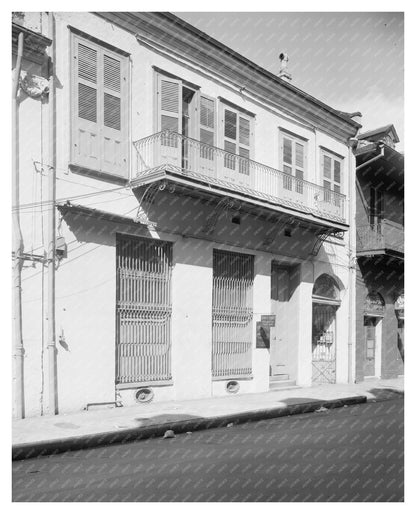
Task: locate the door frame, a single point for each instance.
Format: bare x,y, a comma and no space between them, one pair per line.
275,268
378,343
335,304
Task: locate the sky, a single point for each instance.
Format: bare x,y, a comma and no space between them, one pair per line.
352,61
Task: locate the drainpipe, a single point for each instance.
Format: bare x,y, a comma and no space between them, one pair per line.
52,357
351,261
381,154
18,354
351,265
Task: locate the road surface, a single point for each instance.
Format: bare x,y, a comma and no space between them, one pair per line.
348,454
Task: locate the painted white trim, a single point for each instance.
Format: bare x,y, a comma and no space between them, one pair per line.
377,352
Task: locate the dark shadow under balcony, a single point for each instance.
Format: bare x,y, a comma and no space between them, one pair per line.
381,238
186,161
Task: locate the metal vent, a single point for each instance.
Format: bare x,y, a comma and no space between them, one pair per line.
232,386
144,395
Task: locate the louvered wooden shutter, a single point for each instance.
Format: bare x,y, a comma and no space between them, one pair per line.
327,171
207,134
244,144
169,95
207,121
230,138
85,114
99,112
170,104
114,123
287,155
300,156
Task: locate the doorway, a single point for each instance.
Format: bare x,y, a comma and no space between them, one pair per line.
325,303
372,325
323,343
143,310
280,334
232,314
188,99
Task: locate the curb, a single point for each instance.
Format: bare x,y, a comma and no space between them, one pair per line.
42,448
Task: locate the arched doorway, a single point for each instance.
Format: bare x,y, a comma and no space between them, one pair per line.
325,302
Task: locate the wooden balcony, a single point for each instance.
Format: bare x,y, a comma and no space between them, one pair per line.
168,155
385,237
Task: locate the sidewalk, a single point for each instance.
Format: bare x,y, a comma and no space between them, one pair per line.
52,434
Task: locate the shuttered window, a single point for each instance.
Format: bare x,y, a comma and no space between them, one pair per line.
207,127
332,176
237,139
293,162
99,108
169,98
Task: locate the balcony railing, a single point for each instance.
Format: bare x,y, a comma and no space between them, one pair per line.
214,166
385,235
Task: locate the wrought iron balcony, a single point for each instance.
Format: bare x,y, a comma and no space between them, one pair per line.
379,238
213,166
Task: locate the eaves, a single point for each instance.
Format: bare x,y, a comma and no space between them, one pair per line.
34,43
172,33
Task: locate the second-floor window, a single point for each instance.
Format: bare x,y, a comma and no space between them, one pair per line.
237,139
292,161
99,108
184,113
207,127
332,176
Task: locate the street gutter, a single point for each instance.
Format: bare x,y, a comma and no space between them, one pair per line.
52,447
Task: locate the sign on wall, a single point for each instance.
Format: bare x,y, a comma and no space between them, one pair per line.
268,320
263,330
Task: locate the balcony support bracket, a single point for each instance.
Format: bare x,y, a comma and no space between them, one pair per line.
320,240
222,206
148,198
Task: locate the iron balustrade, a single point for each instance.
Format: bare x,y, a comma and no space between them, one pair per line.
199,161
385,235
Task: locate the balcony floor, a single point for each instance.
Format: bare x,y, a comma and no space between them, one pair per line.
196,184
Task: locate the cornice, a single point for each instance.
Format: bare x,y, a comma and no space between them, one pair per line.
34,43
170,32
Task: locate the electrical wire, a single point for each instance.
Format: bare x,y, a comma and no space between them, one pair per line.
69,198
84,185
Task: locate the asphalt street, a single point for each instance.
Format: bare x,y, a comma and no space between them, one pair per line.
348,454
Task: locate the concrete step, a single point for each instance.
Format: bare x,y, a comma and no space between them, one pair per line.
279,377
283,384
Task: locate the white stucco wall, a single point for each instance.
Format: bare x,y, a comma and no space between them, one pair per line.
85,283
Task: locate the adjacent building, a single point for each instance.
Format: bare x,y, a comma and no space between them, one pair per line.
380,255
205,219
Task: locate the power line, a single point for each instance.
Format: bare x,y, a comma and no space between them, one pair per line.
69,198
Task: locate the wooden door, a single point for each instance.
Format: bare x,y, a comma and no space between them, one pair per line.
279,336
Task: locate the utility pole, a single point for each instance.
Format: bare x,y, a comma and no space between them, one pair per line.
52,357
18,348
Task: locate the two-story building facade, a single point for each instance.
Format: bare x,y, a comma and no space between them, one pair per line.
206,206
380,255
